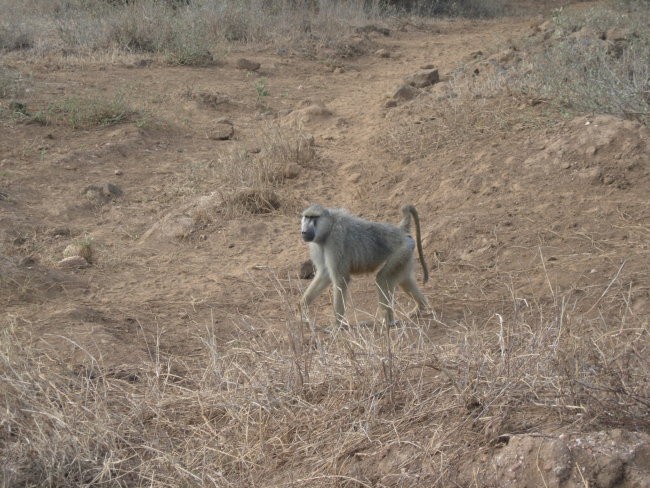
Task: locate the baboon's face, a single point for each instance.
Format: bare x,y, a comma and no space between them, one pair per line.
308,228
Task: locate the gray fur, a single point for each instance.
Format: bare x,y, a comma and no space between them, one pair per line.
341,244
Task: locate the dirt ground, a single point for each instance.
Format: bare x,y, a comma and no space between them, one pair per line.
518,202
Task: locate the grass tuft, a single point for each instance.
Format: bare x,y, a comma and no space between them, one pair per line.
84,112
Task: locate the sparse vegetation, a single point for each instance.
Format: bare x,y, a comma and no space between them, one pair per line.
11,83
261,89
596,61
257,177
84,112
193,32
582,61
455,8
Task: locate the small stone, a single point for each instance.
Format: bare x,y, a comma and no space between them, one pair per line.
406,92
73,262
382,53
423,78
617,34
83,249
339,70
247,64
103,193
221,132
118,172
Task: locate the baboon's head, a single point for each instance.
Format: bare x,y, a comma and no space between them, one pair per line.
312,226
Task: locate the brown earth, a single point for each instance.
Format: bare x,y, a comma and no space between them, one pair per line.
517,203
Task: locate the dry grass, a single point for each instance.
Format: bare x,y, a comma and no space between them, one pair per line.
83,112
573,64
457,8
196,32
255,178
11,83
355,407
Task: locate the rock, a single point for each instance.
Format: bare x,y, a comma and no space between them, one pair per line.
73,262
354,178
427,66
118,172
83,249
504,56
179,227
310,111
406,92
339,70
390,104
102,194
247,64
422,78
382,53
221,132
60,232
617,34
307,270
587,33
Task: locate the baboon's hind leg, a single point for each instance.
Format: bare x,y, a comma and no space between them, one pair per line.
409,285
387,280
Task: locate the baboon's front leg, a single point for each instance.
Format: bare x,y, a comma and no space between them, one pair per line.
317,285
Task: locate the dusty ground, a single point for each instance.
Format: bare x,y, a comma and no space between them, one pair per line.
518,202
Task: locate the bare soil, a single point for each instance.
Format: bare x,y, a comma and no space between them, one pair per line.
518,202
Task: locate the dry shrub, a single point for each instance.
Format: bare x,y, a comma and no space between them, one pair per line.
251,181
359,406
16,32
573,64
454,8
256,201
192,32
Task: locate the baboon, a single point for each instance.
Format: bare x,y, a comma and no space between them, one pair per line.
341,244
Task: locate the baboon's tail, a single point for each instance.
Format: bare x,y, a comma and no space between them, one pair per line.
407,211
